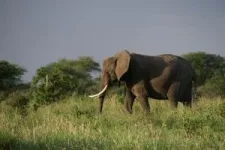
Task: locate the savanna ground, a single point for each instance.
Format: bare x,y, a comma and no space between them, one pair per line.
74,124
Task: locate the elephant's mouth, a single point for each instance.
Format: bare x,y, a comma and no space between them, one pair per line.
100,93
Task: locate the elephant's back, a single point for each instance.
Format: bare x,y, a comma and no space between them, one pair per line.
184,65
169,58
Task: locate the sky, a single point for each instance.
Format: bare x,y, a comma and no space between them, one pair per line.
34,33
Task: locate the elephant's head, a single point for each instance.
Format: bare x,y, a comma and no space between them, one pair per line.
114,68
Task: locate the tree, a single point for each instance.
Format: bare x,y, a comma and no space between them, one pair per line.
210,70
60,79
206,65
10,75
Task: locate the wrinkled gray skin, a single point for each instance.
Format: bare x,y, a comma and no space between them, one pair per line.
160,77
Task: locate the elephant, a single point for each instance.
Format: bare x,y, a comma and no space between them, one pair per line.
161,77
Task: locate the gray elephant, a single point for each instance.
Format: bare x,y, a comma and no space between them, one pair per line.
162,77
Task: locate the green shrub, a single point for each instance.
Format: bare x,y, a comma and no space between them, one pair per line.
17,99
213,87
62,79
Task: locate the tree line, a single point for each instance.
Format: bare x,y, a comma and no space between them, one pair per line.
65,77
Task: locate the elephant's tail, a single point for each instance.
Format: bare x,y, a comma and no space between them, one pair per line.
194,87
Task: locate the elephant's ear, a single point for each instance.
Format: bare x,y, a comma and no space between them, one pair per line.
122,63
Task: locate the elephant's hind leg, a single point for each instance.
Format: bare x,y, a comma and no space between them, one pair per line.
172,95
176,93
179,91
187,96
144,103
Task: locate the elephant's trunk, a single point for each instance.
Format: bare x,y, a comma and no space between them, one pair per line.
104,87
101,101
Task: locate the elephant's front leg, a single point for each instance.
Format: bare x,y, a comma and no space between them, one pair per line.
129,100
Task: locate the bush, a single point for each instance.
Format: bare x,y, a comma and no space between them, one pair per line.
213,87
17,99
63,78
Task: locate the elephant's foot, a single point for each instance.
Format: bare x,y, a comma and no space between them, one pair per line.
129,111
173,104
187,104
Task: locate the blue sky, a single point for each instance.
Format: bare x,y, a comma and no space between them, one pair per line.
37,32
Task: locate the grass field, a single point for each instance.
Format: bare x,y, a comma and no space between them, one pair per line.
75,124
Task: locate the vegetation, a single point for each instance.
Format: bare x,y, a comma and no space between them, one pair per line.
63,78
75,124
210,70
10,75
53,111
206,65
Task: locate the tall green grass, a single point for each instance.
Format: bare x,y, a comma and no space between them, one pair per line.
75,124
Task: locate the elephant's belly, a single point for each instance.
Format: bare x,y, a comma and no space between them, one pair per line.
156,95
157,89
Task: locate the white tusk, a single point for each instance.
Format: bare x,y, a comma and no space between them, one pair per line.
99,92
